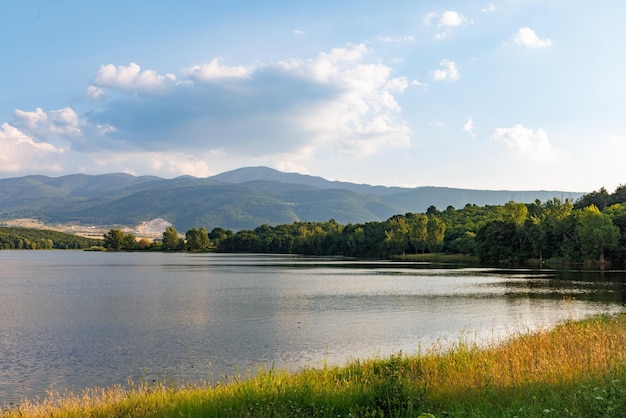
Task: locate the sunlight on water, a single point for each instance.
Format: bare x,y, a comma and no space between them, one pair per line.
75,319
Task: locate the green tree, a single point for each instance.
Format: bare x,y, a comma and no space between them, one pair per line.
495,241
170,239
597,233
535,232
436,232
114,239
600,199
197,239
418,230
130,242
219,234
516,214
396,235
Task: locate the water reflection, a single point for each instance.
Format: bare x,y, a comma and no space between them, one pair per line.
76,319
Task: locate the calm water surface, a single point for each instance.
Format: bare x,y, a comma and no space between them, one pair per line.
73,319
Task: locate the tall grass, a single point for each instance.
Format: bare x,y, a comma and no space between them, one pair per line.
577,369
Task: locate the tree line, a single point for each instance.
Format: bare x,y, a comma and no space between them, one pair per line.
15,238
592,228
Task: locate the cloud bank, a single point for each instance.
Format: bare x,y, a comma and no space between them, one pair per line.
335,103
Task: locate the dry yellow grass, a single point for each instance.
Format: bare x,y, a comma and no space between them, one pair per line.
575,369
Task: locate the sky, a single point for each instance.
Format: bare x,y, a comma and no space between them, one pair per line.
495,95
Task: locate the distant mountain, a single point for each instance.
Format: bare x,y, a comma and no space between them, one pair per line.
246,174
238,199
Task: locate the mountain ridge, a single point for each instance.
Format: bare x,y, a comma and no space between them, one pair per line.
238,199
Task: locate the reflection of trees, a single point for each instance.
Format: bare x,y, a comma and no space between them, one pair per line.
589,286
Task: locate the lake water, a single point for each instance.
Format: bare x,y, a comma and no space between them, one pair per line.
73,319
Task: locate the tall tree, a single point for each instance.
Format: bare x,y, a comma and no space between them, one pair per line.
197,239
170,239
516,213
114,239
436,232
535,232
396,234
597,233
418,230
130,242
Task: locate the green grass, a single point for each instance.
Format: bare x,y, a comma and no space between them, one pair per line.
577,369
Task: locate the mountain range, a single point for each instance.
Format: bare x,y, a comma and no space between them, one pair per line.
240,199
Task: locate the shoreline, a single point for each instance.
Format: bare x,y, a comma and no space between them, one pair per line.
567,368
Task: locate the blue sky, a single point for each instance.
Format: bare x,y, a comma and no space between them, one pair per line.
510,94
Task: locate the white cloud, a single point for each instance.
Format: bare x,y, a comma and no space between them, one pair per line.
335,100
364,117
215,71
468,127
170,164
448,71
298,32
131,78
451,19
95,92
527,37
445,21
21,152
390,40
397,84
286,113
489,8
44,124
526,143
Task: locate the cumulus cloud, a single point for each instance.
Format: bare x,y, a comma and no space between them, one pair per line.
337,103
451,18
468,126
45,124
95,92
130,78
526,143
445,21
447,72
214,71
335,100
21,152
527,37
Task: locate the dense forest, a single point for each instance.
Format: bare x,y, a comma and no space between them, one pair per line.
591,229
41,239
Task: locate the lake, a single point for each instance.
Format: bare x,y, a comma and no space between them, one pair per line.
74,319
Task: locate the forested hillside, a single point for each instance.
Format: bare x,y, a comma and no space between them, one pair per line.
241,199
556,230
41,239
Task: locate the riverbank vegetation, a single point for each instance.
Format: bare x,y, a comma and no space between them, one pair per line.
592,229
577,369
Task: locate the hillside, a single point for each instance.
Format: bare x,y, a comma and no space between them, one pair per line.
239,199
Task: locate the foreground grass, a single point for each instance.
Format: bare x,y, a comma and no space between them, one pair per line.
577,369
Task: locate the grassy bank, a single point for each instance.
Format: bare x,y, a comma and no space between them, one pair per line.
577,369
439,258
